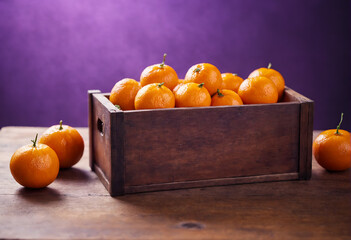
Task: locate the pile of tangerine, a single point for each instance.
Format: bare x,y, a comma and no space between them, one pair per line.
203,86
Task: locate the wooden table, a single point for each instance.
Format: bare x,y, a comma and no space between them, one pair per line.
77,206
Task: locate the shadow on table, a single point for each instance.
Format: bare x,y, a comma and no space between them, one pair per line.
75,175
41,196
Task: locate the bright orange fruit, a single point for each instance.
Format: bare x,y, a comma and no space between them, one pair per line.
226,97
180,82
205,73
273,75
231,81
123,93
34,165
192,95
159,73
258,90
332,149
66,142
154,95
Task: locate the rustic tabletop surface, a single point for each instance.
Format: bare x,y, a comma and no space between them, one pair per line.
77,206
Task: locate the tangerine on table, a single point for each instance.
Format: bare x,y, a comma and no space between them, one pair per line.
273,75
258,90
66,142
159,73
123,93
231,81
332,149
192,95
154,95
34,165
226,97
205,73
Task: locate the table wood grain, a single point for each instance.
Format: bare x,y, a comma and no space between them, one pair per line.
77,206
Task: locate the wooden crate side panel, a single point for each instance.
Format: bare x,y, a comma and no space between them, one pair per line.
101,133
222,142
106,129
90,125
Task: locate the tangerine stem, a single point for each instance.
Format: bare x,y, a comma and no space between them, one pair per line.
160,85
338,127
219,93
197,70
35,141
201,85
60,125
164,59
269,65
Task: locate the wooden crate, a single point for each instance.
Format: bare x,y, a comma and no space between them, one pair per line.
163,149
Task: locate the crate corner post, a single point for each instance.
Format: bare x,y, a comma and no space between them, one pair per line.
117,154
306,138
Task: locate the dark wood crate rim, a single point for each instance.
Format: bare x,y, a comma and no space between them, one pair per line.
299,99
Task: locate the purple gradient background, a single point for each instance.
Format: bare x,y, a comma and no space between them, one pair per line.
52,52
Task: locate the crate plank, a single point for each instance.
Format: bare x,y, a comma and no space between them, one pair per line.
212,182
200,144
90,122
101,135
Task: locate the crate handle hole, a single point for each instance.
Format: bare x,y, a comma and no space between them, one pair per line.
100,126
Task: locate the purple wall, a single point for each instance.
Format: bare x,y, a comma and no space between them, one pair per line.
52,52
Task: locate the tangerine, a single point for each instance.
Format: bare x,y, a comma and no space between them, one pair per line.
66,142
192,95
258,90
273,75
154,95
205,73
332,149
34,165
123,93
226,97
159,73
231,81
180,82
